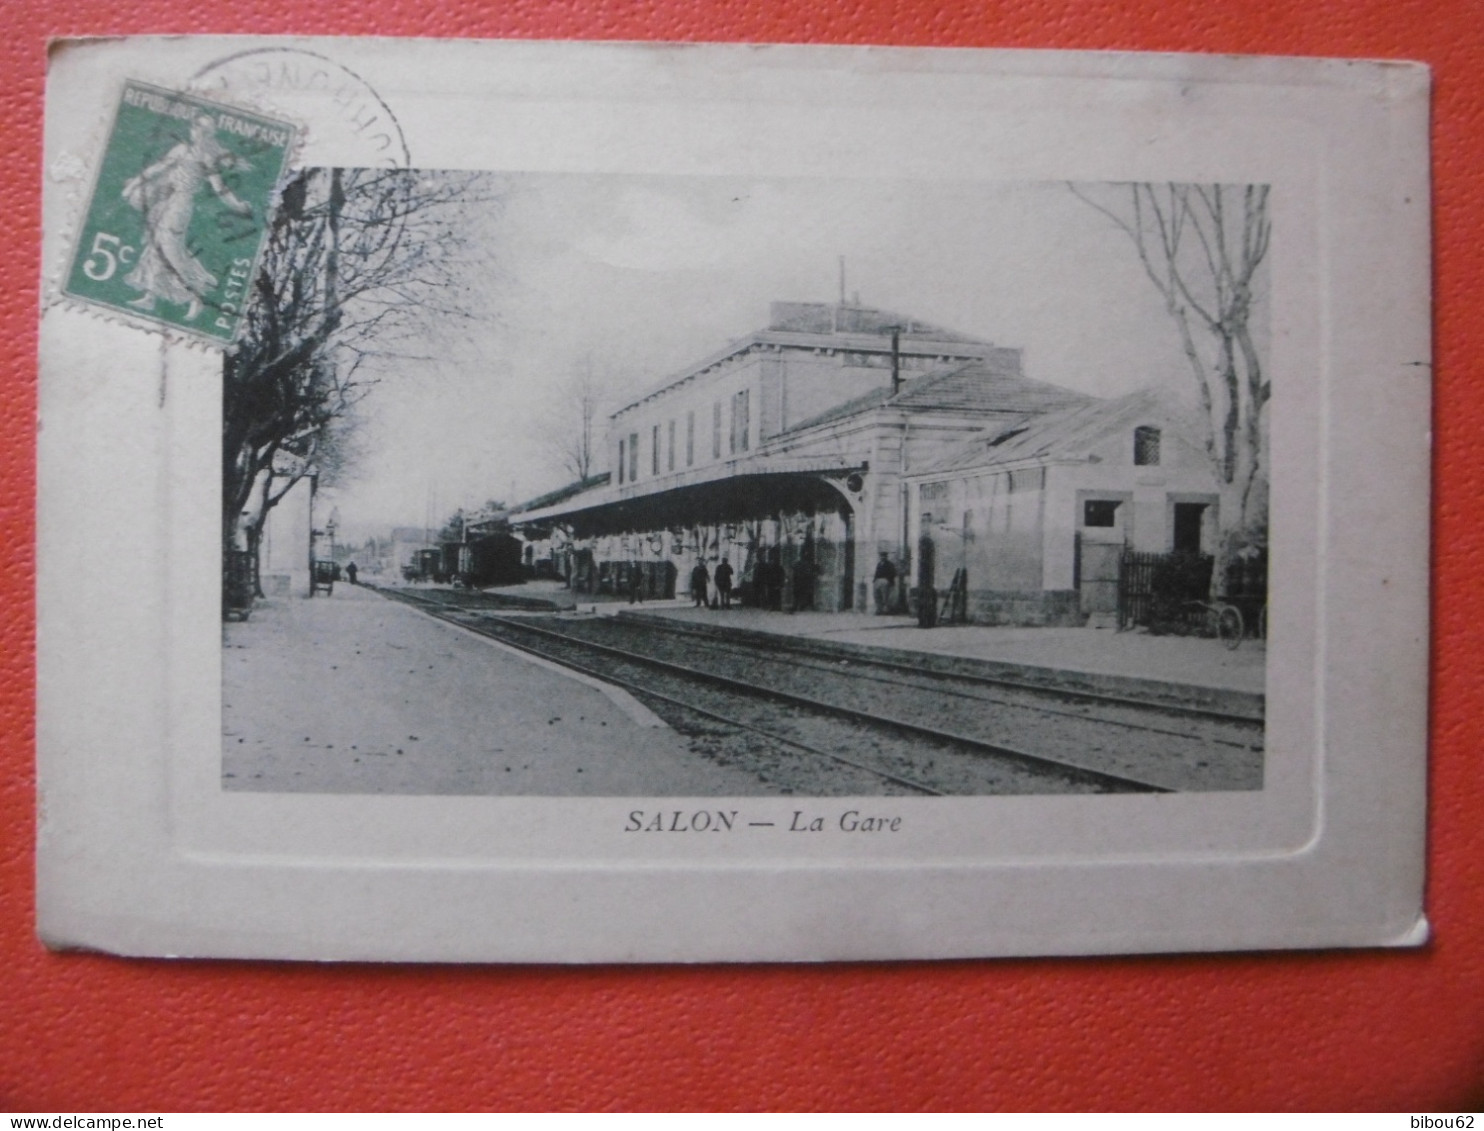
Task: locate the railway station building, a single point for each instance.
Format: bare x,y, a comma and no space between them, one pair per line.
1038,513
788,454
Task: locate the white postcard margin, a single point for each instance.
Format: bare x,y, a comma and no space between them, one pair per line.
141,852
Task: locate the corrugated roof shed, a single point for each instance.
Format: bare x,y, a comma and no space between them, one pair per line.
1065,434
977,387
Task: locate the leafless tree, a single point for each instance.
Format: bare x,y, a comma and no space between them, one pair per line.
1202,247
360,266
569,423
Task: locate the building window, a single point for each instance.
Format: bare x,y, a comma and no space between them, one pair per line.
633,456
622,448
1100,512
741,422
654,450
670,448
690,438
1146,446
1031,479
716,430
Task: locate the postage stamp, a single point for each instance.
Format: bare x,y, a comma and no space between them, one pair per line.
179,211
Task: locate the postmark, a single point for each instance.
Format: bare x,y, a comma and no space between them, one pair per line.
179,211
350,123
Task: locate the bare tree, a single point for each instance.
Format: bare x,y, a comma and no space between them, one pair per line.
359,266
1202,246
570,422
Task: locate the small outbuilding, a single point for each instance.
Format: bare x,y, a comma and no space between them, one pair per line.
1038,514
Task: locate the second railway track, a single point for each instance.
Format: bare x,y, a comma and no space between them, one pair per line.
909,736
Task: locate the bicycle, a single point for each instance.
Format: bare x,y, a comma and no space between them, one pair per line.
1222,621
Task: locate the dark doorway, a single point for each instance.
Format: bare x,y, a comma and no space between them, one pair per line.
1188,522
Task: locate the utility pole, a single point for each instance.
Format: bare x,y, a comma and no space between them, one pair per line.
313,533
896,360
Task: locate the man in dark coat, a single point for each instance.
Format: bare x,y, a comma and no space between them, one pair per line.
699,577
724,583
886,576
803,584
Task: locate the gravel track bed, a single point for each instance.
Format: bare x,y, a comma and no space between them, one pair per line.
1177,751
943,766
1145,717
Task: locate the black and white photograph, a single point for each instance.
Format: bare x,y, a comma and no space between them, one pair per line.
558,484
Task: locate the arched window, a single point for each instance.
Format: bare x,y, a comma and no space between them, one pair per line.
1146,446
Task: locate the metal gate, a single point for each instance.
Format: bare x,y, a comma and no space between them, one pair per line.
1135,587
1162,585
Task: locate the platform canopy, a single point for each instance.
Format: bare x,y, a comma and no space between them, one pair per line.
745,490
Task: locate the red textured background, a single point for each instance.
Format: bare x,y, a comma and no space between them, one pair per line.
1301,1031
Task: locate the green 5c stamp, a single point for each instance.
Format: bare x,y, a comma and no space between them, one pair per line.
178,212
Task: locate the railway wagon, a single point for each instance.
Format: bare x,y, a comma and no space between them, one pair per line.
454,563
425,565
494,559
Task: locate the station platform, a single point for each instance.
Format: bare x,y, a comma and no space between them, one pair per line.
352,693
1168,669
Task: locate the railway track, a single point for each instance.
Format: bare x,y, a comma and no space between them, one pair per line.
1196,723
869,726
821,653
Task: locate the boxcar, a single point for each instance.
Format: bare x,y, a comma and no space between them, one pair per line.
494,559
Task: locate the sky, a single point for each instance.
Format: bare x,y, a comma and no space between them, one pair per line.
640,276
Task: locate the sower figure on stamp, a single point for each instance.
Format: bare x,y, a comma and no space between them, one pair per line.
886,576
699,579
724,583
166,194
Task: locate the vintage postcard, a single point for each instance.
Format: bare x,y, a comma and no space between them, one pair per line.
590,502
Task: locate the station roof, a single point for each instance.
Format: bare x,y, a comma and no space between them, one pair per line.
973,388
843,326
755,467
1067,434
562,494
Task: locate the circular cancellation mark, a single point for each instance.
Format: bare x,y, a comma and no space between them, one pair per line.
348,123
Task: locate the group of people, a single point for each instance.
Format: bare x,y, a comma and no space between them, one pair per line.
768,584
700,580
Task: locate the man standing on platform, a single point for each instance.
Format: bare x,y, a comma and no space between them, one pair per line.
886,576
699,578
724,583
